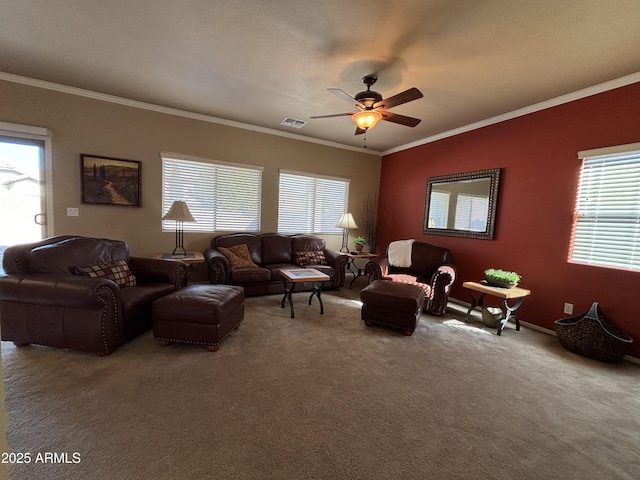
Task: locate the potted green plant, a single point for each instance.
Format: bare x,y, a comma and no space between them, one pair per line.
496,277
359,243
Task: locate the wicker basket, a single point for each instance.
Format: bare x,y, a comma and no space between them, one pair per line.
593,336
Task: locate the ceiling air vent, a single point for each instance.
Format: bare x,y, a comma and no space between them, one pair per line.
293,122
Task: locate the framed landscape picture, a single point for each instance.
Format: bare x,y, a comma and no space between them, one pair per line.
110,181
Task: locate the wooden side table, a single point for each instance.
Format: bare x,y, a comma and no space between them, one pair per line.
300,275
192,259
352,263
504,294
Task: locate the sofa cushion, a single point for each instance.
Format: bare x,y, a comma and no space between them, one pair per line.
241,276
63,257
300,243
117,271
137,301
409,280
311,257
426,258
238,256
276,248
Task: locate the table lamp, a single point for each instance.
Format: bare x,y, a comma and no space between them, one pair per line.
346,222
179,212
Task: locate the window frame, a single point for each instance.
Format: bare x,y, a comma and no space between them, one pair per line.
210,221
605,230
318,222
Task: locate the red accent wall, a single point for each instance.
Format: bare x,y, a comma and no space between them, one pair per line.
538,157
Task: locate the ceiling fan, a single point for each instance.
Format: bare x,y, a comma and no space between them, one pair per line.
370,107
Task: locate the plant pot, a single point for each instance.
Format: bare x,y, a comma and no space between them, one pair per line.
492,282
359,248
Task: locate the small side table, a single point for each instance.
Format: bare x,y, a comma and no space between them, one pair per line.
299,275
503,294
352,263
191,259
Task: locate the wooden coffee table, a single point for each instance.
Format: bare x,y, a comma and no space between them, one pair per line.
503,294
299,275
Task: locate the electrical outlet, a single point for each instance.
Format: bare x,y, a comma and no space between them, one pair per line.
72,212
568,308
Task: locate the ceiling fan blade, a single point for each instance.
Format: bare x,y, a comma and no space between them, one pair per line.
346,97
359,131
399,99
347,114
400,119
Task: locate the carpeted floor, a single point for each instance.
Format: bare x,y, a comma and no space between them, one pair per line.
324,397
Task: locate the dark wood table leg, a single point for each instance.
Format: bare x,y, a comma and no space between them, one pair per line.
317,291
287,295
475,302
348,267
510,314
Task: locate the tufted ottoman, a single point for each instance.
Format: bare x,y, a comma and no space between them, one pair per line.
393,304
198,314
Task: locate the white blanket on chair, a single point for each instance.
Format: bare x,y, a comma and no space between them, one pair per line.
399,253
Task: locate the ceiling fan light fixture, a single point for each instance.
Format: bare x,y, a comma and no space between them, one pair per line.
366,119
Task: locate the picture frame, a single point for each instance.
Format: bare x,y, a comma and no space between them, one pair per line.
110,181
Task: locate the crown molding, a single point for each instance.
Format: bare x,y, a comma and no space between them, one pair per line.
570,97
554,102
32,82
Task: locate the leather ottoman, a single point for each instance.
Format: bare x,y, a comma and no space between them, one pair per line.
393,304
198,314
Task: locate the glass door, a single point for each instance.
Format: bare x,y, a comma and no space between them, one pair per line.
22,193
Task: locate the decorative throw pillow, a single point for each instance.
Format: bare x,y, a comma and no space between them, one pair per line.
238,256
117,271
314,257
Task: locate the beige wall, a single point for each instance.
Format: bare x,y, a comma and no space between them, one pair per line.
86,125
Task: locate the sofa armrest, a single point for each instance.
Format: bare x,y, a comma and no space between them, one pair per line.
68,291
338,261
444,269
218,269
377,268
155,270
441,282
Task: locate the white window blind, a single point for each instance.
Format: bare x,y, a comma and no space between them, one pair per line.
221,196
438,210
311,204
471,213
606,229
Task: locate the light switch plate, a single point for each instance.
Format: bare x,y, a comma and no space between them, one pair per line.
72,212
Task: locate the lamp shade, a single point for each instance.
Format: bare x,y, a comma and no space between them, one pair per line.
366,119
179,211
346,221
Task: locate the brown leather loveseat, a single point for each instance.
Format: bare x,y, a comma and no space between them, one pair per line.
430,268
267,254
81,293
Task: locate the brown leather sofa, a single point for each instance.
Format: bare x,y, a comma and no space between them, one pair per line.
271,252
431,269
47,299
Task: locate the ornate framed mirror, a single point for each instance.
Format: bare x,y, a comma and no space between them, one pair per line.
462,204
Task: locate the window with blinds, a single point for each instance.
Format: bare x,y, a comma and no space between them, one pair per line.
606,227
438,210
221,196
311,204
471,213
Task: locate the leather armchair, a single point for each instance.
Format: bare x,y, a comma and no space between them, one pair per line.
43,299
431,269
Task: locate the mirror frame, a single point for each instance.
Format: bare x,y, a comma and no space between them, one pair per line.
493,175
